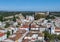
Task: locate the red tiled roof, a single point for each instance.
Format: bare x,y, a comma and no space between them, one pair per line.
33,26
25,40
1,34
25,26
18,35
57,29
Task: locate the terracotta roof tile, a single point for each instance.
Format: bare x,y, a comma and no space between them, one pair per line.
25,40
57,29
18,35
1,34
25,26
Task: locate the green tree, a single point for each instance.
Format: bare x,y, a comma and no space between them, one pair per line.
7,25
12,31
58,36
50,17
14,19
8,34
19,23
48,21
1,18
17,17
47,34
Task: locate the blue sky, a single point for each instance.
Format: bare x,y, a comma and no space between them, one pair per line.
30,5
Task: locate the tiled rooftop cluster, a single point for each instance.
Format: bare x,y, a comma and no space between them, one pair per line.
27,29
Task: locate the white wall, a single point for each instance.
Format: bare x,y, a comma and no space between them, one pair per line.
34,28
3,37
42,29
40,38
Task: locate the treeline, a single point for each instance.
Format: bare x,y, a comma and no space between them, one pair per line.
28,13
5,14
8,13
55,13
24,13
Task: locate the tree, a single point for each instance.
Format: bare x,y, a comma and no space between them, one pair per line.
14,19
7,25
17,26
17,17
48,21
1,18
19,23
58,36
48,35
8,34
12,31
50,17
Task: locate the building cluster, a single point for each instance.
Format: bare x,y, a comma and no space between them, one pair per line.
27,29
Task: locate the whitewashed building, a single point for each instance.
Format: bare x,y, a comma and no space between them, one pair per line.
2,36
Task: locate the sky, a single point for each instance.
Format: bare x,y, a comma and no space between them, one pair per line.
30,5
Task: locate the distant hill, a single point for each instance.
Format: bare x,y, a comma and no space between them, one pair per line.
55,13
24,13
